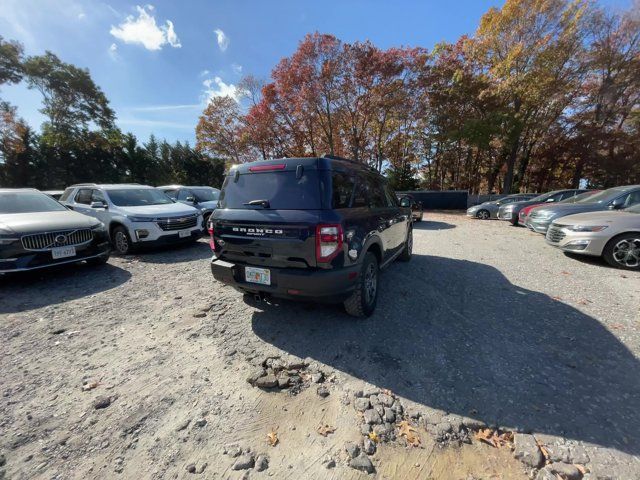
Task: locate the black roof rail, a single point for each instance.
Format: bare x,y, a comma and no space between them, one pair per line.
362,164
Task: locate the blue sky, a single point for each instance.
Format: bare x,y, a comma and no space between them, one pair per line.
159,63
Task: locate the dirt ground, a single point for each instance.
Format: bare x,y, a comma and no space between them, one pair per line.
139,369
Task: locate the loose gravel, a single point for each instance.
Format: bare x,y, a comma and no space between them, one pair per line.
148,368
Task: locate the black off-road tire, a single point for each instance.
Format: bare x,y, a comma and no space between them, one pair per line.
360,304
95,262
407,251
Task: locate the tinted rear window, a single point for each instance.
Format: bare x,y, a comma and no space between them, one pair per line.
283,190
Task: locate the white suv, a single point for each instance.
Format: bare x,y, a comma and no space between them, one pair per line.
135,214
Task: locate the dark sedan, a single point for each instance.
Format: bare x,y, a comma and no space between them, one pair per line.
511,211
37,232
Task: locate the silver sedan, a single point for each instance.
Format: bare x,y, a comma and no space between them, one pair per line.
488,210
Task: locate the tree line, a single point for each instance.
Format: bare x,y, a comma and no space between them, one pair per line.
545,94
79,141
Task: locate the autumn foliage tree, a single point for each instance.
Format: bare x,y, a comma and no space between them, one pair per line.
545,94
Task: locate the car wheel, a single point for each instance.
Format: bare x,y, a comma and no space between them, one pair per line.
483,214
405,256
362,301
623,251
95,262
121,241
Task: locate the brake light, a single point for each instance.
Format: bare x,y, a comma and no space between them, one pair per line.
328,242
266,168
212,242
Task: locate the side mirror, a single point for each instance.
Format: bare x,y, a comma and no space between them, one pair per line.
405,202
191,199
616,204
98,205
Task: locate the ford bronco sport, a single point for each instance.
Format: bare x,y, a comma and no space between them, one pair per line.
308,228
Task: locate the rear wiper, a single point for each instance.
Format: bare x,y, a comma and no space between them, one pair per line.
260,203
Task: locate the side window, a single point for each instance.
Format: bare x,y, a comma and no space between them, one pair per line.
392,200
632,199
67,193
565,195
97,196
504,201
360,196
84,196
342,190
173,194
183,194
377,197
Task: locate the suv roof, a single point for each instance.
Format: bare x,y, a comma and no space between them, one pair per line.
186,186
325,162
15,190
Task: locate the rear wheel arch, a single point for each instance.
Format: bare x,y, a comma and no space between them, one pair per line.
375,248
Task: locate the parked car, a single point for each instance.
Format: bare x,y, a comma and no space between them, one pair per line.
308,228
203,198
417,212
55,194
135,215
37,232
614,235
488,210
612,199
523,216
510,211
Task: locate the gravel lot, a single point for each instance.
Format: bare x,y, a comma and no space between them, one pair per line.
487,325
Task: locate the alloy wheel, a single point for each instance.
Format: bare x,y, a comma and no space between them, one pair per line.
122,243
483,215
627,252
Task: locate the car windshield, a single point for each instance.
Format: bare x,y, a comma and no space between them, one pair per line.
578,198
206,194
604,196
544,196
28,202
138,197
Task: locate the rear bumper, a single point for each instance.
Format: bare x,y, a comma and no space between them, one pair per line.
302,284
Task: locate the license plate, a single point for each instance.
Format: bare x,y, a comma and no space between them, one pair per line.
184,233
258,275
63,252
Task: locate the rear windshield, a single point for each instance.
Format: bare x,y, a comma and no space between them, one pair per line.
28,202
283,190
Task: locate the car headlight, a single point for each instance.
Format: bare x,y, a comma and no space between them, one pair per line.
140,219
101,227
7,237
586,228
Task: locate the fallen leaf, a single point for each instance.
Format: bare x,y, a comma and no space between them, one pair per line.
90,386
582,469
407,431
272,438
543,449
325,429
556,298
373,436
565,273
495,438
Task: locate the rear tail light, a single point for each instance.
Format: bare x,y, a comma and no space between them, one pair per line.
328,242
267,168
212,242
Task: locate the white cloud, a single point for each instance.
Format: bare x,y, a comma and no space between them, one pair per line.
204,73
223,40
113,51
82,16
216,87
144,30
237,69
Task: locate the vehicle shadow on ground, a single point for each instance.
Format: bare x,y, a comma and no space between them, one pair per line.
458,336
432,225
186,252
51,286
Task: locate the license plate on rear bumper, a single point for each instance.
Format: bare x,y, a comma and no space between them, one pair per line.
63,252
257,275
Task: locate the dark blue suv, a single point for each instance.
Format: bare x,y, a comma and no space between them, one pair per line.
308,228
